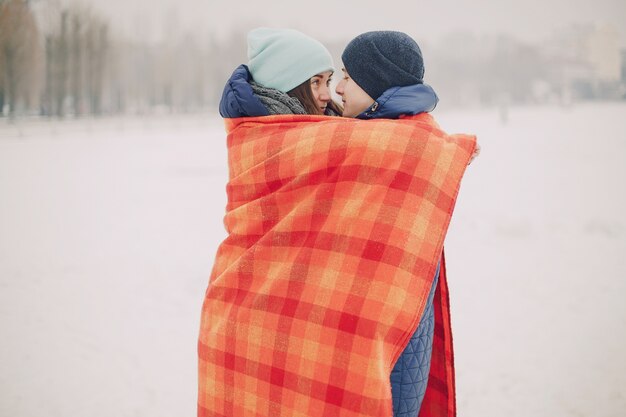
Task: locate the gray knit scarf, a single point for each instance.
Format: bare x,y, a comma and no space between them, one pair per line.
276,101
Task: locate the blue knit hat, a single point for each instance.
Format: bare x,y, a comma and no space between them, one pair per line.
379,60
285,58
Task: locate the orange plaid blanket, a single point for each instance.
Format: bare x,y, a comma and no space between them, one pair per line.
335,227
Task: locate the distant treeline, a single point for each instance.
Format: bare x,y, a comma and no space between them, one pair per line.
66,61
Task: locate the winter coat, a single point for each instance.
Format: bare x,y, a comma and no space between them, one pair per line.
397,102
238,99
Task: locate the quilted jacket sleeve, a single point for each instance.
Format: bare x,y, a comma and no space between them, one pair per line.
409,376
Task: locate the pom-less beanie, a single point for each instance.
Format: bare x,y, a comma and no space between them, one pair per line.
379,60
285,58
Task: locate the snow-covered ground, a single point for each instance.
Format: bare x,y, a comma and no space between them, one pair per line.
108,230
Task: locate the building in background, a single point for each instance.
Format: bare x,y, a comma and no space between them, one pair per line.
586,61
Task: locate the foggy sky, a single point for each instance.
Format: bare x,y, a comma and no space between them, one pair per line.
527,20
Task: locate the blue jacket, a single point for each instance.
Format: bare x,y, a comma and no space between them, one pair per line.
397,101
238,100
409,376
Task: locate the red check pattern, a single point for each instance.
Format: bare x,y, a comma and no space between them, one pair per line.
335,227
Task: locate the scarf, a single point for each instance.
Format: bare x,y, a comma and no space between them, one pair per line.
276,101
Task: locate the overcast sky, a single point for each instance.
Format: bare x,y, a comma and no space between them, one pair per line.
530,20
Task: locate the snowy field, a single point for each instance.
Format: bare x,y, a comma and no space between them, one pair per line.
108,230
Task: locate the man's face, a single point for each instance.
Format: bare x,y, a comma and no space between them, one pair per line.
355,100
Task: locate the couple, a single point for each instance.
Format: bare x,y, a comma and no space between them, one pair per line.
329,296
290,73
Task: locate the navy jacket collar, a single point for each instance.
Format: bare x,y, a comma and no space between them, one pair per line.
398,101
238,100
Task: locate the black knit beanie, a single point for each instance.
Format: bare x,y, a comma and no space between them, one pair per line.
380,60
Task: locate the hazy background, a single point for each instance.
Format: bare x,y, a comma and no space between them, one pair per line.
112,195
75,58
530,21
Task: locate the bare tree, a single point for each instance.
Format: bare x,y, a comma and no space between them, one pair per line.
96,39
76,72
60,65
19,56
76,56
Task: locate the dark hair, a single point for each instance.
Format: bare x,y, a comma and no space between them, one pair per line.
304,94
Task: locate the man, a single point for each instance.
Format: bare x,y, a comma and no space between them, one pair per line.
383,79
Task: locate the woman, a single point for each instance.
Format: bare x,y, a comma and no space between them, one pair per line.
287,73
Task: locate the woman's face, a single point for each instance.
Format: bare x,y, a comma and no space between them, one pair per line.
355,100
320,84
